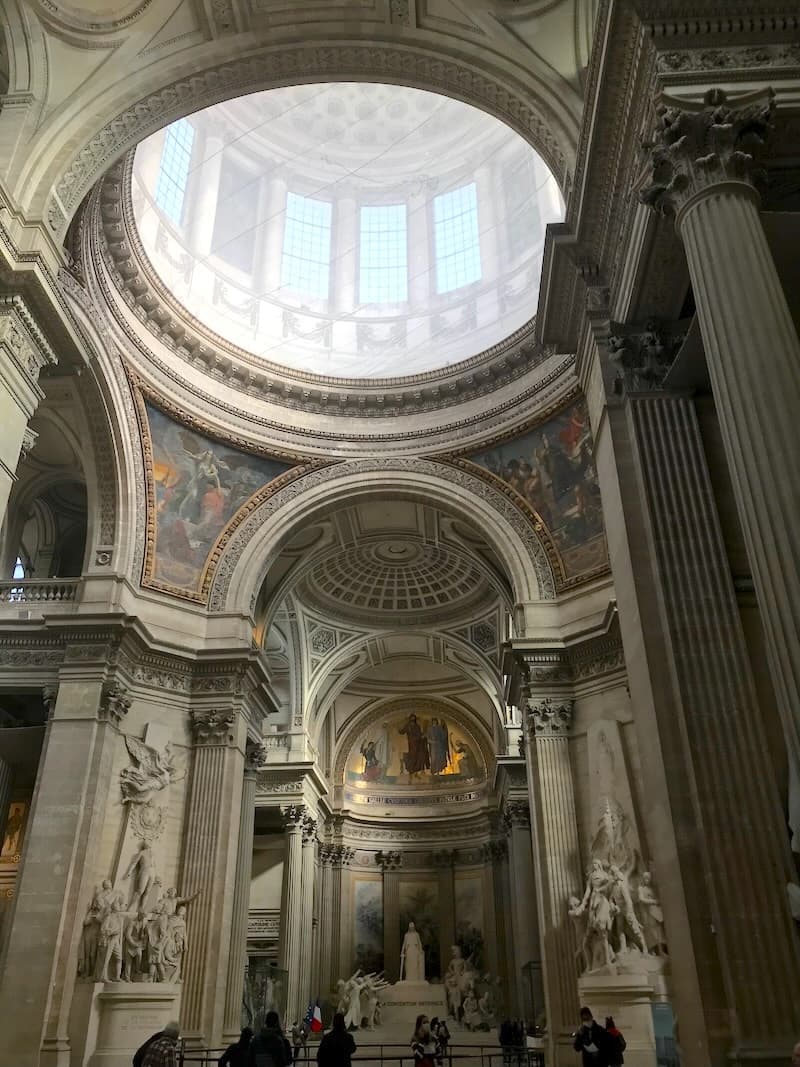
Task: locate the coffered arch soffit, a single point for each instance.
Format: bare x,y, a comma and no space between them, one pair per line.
109,112
249,554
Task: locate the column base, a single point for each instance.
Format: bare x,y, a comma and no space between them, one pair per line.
629,997
128,1013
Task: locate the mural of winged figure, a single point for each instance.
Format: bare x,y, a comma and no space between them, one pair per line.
154,770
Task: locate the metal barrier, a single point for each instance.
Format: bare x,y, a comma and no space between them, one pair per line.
398,1055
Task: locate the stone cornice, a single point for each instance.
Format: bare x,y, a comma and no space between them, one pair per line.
22,340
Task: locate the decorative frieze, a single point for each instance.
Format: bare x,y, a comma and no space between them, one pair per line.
267,783
22,340
550,718
213,726
696,145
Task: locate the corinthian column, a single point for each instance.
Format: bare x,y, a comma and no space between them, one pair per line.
292,907
557,868
308,978
254,756
210,870
703,173
23,353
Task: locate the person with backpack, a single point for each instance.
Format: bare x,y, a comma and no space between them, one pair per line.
163,1051
616,1044
337,1046
236,1055
591,1041
270,1048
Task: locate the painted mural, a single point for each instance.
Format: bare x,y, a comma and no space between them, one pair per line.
200,484
468,891
15,828
552,469
368,926
415,750
419,904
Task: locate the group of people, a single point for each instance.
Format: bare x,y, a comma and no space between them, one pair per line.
429,1042
600,1046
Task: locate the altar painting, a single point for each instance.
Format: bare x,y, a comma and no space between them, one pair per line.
15,828
199,485
552,469
368,925
419,904
468,892
415,750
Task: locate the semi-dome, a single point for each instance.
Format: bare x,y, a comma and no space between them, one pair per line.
347,230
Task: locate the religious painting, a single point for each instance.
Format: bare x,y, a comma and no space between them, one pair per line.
423,747
468,892
15,827
368,925
199,486
419,904
552,469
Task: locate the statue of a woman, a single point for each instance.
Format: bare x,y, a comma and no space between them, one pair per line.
412,957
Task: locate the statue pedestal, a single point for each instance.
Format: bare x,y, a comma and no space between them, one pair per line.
129,1012
629,997
402,1002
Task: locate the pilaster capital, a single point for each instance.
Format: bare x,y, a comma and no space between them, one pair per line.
49,697
389,861
29,438
643,353
114,703
255,755
212,726
293,816
697,145
517,813
494,851
444,858
546,718
21,338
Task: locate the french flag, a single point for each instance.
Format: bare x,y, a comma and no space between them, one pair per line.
315,1021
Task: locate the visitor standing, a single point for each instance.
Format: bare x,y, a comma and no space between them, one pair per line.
299,1037
591,1041
236,1055
270,1048
426,1049
337,1046
442,1034
506,1036
616,1044
163,1052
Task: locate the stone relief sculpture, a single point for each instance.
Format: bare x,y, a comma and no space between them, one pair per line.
412,957
154,771
144,941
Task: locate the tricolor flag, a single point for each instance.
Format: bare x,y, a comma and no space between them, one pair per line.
315,1020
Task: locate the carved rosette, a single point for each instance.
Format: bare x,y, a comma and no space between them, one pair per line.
517,813
550,719
389,861
698,145
213,726
255,755
114,703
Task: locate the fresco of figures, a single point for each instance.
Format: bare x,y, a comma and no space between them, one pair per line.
200,484
552,469
368,925
415,749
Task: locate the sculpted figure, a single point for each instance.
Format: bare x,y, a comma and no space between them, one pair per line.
154,770
353,1015
111,943
624,914
456,981
134,943
579,918
412,957
175,944
600,915
156,939
652,915
141,871
90,934
472,1015
344,997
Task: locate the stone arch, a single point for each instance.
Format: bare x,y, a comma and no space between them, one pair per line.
488,680
246,558
56,179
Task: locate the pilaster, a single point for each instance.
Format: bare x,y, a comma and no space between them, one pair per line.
308,978
390,863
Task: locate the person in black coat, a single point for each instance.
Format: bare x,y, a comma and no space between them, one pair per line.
591,1041
270,1048
236,1055
337,1046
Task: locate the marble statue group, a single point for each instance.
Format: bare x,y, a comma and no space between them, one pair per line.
359,1000
620,913
141,940
471,997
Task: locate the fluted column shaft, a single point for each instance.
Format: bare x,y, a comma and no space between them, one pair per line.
308,978
391,923
558,875
524,914
254,756
729,767
292,907
210,870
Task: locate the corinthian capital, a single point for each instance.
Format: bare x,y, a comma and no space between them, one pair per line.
255,754
547,718
114,703
699,144
212,726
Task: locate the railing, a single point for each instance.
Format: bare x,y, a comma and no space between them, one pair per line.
396,1056
33,591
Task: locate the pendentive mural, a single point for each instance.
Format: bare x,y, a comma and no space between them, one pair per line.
552,468
199,487
411,753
